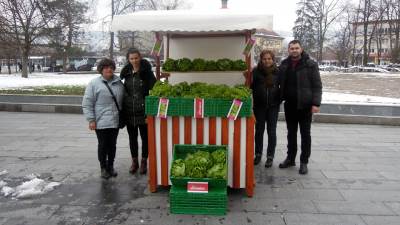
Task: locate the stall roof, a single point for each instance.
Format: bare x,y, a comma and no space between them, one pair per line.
222,20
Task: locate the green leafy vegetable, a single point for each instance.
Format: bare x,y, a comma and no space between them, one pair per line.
239,65
211,65
178,168
199,64
218,171
200,90
224,64
183,65
169,65
219,156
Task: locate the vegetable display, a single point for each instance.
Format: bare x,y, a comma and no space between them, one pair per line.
198,64
201,164
200,90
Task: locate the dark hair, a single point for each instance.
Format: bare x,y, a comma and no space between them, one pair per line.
132,51
294,42
105,62
262,54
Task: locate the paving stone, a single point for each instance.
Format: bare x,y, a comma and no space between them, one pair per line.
348,182
319,219
370,195
353,208
379,220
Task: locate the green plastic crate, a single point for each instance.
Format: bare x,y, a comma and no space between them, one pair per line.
221,107
176,107
212,203
180,152
185,107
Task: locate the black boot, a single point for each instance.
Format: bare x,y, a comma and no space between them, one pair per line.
303,169
287,163
269,162
143,166
104,174
111,171
257,159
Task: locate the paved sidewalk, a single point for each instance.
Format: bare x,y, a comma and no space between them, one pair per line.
354,179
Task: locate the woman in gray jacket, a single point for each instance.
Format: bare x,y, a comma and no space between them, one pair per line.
101,105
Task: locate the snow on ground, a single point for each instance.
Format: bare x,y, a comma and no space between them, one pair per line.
42,79
32,187
331,97
382,75
3,172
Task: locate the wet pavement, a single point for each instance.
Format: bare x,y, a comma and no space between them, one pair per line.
353,179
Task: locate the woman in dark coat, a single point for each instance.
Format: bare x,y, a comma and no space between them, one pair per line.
265,86
139,79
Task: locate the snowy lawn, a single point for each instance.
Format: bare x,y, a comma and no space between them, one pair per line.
331,92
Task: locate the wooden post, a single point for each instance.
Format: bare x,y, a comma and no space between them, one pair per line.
250,181
158,71
152,153
248,61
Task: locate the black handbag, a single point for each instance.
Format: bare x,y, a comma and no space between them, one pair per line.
121,122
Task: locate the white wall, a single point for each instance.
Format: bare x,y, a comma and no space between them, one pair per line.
207,48
211,48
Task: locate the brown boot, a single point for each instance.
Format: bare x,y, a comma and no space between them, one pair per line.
134,166
143,166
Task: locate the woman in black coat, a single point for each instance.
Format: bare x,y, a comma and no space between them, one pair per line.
265,86
139,79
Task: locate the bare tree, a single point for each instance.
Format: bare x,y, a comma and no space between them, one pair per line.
327,12
26,20
393,17
315,18
70,14
342,42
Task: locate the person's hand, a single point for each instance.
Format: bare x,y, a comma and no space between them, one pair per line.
92,125
315,109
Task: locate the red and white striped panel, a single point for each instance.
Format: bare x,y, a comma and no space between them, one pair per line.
212,130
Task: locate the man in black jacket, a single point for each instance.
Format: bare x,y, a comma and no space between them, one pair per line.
301,89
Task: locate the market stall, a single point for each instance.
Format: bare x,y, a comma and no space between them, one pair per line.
211,35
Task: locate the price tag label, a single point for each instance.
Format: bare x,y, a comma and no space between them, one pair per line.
235,109
198,108
197,187
163,107
156,48
249,45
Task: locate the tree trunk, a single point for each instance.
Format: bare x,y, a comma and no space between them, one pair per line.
9,64
64,58
111,45
25,60
365,45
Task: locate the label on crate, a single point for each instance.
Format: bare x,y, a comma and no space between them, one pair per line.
197,187
156,48
235,109
198,108
249,46
163,107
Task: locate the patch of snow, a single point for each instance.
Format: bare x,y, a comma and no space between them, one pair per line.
4,172
2,183
339,98
44,79
6,191
31,176
34,187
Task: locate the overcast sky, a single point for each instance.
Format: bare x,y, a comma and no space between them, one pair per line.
283,11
